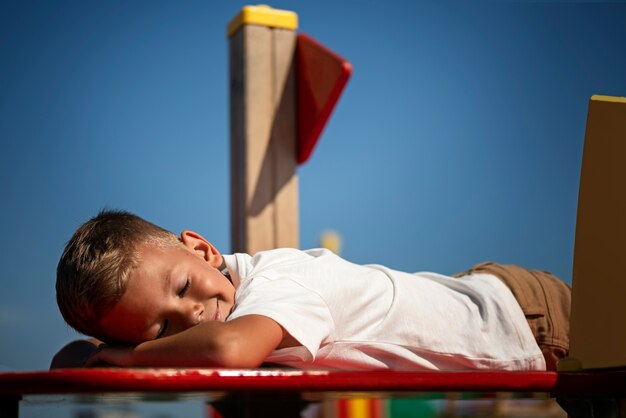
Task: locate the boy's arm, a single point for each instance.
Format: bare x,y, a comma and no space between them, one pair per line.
244,342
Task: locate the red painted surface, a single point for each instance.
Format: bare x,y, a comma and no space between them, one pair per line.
321,76
342,408
375,408
80,381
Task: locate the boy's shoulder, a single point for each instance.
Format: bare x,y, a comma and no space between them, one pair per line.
280,256
277,259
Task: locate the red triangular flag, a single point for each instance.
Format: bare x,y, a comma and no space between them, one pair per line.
321,76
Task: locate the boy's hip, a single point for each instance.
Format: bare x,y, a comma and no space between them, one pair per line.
545,301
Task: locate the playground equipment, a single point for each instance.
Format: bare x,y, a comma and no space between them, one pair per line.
597,302
283,89
264,126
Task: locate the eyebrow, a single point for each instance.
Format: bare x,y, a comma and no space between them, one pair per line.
166,288
167,282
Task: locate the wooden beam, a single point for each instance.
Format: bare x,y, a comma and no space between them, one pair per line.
264,184
599,273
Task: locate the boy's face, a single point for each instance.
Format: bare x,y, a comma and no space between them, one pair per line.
171,289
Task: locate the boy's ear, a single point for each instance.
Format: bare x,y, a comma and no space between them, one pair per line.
196,243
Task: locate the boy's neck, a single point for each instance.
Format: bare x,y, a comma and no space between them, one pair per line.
224,270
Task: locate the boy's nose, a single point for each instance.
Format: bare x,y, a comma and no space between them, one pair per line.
194,314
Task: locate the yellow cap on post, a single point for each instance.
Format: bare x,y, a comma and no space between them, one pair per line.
264,16
598,97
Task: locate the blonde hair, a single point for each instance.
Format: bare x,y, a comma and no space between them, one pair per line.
92,274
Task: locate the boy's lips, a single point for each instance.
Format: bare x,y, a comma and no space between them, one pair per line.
218,314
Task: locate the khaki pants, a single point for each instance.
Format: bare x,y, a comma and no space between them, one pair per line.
545,301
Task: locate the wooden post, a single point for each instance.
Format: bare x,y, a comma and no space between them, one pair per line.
599,274
264,184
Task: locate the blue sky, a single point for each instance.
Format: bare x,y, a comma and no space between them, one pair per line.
457,140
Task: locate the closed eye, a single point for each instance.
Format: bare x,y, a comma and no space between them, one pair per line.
185,288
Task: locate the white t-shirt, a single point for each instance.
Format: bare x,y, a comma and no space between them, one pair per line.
350,316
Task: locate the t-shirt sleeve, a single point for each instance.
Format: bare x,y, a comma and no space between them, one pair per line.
303,313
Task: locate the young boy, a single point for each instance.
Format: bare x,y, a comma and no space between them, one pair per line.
161,300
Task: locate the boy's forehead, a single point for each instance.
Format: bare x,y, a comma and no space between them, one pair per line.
150,251
157,261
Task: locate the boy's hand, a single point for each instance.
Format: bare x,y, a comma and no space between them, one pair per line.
111,355
74,354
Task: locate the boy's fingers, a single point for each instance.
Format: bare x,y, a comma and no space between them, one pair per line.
94,358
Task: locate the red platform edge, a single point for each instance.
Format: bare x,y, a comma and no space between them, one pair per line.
81,381
321,77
